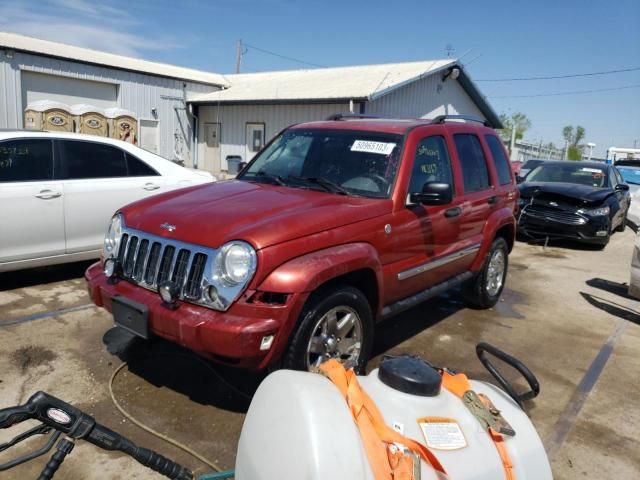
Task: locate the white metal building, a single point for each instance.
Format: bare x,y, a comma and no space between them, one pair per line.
33,69
202,118
237,120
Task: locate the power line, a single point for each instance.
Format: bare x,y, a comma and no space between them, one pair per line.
283,56
574,75
576,92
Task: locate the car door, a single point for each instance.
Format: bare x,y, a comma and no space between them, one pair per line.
98,179
31,215
623,196
425,237
480,196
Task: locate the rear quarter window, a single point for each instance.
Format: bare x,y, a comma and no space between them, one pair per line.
500,159
472,162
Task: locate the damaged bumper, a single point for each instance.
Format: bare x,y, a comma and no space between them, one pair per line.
234,337
564,224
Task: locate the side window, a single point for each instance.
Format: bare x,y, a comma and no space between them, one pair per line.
472,162
431,164
26,160
500,160
90,160
137,168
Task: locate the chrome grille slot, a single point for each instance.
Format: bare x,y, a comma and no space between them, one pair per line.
152,264
123,246
149,260
193,287
180,268
141,256
129,256
166,264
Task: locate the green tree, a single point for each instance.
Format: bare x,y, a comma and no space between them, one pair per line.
519,121
573,137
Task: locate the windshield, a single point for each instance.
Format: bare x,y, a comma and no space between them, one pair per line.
569,172
338,161
630,175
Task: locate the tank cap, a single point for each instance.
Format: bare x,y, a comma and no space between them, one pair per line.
411,375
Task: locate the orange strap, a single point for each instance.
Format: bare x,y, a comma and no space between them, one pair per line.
386,463
459,385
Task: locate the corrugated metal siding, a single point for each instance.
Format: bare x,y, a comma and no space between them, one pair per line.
233,120
425,98
136,92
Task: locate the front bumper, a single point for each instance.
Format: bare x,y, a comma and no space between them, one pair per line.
596,230
232,337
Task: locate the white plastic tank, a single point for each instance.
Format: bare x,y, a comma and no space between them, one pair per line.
299,427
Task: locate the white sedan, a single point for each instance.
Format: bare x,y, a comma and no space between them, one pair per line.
59,190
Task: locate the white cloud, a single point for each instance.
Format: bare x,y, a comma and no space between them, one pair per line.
78,22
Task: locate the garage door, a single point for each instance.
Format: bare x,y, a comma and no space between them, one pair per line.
39,86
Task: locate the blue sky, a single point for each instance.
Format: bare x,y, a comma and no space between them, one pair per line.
499,39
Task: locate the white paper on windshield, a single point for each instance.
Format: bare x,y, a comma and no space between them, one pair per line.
591,170
367,146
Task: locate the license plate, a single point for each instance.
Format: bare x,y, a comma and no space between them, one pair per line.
131,316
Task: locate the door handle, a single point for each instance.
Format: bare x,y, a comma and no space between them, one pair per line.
492,200
48,194
453,212
151,186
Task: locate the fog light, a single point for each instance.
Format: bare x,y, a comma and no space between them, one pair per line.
602,233
266,342
169,293
109,267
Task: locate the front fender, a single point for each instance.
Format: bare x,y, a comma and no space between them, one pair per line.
497,220
308,272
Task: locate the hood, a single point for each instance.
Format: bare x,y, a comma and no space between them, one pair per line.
260,214
567,192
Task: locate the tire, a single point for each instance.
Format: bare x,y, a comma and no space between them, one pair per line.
484,289
315,323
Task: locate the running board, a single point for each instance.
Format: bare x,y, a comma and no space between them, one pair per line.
406,303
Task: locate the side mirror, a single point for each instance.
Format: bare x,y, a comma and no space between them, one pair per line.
622,187
433,193
519,179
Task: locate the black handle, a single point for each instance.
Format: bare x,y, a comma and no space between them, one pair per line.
492,200
483,348
162,465
107,439
452,212
63,449
12,415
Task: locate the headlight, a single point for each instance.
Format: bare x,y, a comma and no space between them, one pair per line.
235,263
595,212
113,236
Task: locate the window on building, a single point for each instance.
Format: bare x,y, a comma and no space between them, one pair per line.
26,160
90,160
431,164
472,161
500,160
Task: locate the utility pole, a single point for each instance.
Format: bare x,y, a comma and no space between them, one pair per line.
513,140
238,56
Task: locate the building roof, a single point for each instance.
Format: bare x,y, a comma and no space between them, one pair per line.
337,83
365,82
95,57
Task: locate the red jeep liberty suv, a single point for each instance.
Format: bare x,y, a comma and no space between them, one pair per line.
332,227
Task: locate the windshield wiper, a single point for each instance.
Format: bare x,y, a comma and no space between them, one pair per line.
275,178
328,185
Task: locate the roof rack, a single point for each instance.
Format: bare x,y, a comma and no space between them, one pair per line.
469,118
347,116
